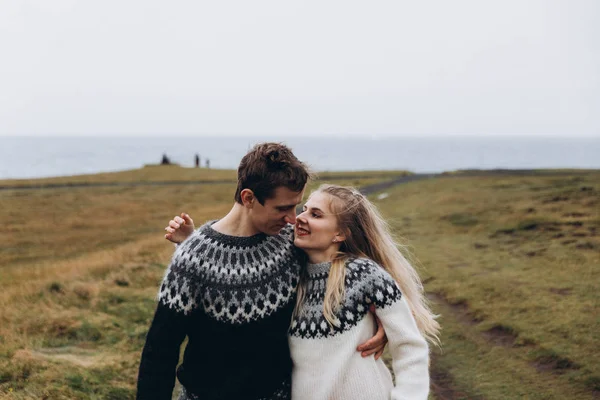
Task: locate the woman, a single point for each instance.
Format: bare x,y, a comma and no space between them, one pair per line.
353,263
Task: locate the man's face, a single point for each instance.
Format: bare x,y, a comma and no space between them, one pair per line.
277,211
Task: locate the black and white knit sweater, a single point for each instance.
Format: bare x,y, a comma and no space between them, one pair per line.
326,363
233,298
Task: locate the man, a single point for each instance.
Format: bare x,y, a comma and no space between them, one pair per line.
230,288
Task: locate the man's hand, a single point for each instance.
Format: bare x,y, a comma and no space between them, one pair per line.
377,343
179,228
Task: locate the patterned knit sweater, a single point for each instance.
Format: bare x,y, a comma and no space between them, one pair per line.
326,363
233,298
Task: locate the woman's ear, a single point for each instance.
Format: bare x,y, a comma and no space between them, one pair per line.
248,198
339,237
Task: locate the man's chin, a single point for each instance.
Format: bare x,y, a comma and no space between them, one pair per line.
276,230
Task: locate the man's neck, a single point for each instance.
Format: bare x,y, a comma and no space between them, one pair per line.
236,223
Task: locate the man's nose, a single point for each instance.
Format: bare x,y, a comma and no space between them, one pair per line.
290,217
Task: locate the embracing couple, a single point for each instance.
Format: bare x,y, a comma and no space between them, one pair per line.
279,306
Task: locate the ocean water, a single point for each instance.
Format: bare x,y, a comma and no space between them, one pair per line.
32,157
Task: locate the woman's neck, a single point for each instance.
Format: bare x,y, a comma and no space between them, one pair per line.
321,256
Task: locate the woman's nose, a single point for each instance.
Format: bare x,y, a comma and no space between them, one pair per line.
301,217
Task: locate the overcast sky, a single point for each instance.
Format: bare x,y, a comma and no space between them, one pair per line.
285,68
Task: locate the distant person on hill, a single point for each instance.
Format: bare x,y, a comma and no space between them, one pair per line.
165,160
231,288
197,160
207,163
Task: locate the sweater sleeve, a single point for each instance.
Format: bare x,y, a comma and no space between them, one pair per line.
409,350
160,355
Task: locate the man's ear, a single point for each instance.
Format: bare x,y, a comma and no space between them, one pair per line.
248,198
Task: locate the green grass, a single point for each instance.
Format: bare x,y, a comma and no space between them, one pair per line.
511,264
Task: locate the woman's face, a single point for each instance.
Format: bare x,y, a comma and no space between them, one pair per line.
316,228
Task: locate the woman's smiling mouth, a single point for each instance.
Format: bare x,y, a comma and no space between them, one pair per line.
301,231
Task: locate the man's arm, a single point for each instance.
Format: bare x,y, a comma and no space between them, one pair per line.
156,376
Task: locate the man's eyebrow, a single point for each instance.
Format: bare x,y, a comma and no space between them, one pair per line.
286,206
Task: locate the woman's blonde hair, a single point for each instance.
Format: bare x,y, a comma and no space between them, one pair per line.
368,235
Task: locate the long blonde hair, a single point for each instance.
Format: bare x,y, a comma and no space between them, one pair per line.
368,235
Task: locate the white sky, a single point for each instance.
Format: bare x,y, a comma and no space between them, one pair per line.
279,67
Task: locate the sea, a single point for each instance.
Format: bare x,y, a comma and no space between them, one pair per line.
37,157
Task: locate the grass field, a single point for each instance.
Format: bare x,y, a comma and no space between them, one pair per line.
510,262
512,265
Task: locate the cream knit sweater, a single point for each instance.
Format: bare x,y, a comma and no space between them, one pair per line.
326,363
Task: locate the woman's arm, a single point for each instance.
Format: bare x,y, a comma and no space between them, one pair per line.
409,350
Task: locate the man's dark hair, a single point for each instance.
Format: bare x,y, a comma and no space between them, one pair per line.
268,166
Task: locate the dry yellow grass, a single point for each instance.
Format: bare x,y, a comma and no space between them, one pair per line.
156,173
80,268
175,173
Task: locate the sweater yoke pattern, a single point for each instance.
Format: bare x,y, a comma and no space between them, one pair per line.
232,279
366,283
